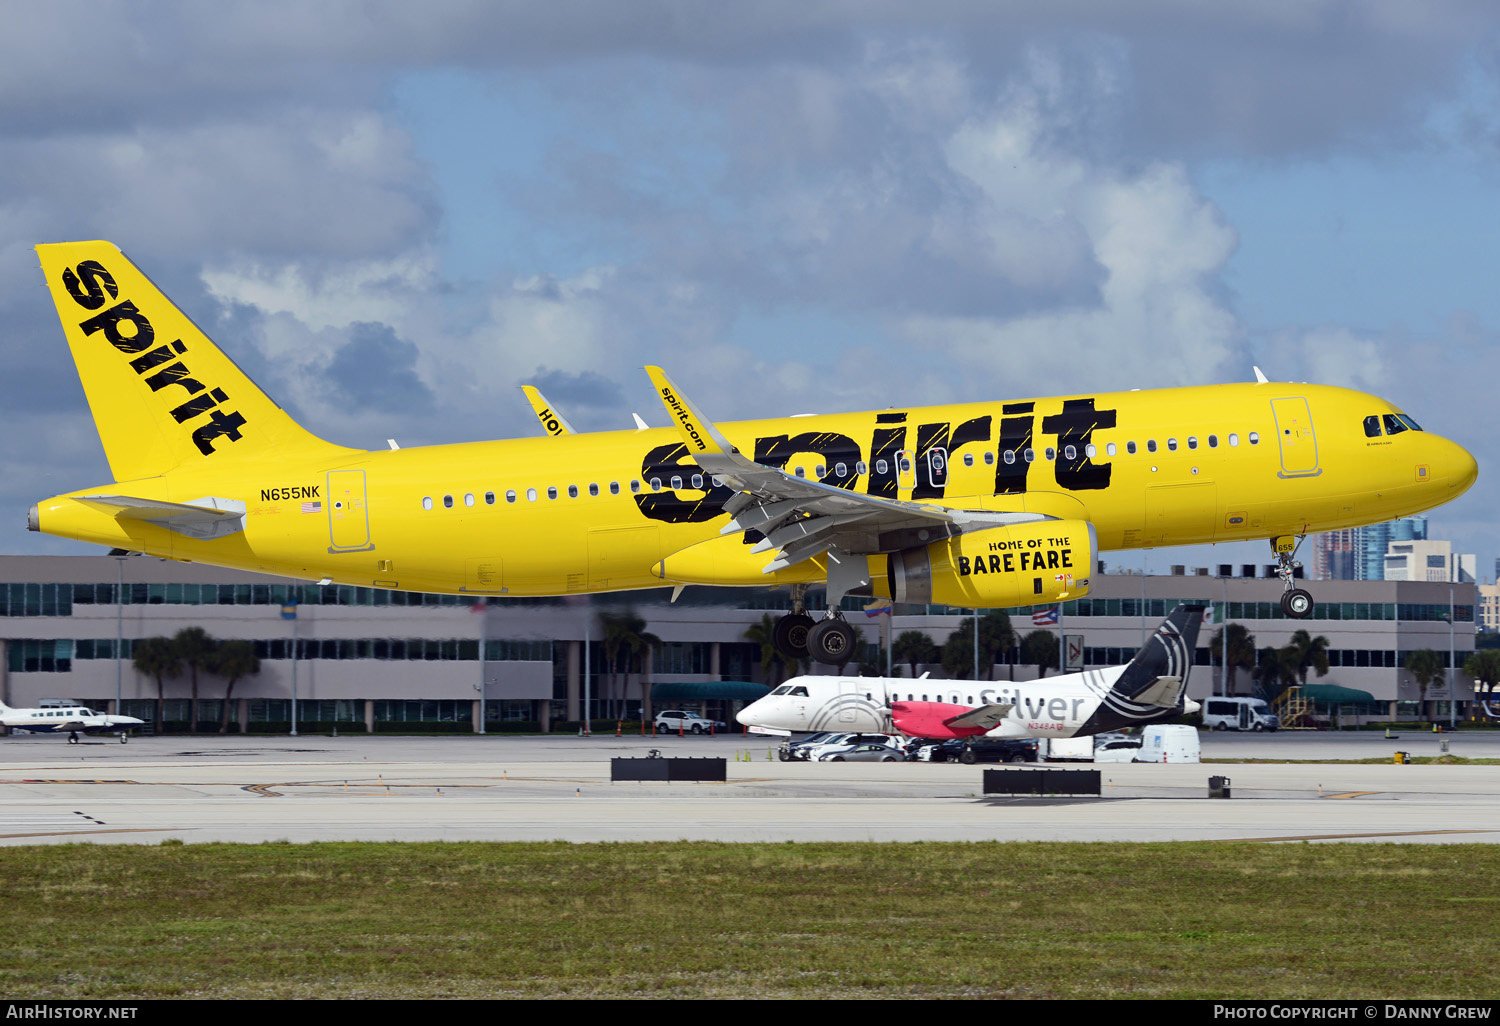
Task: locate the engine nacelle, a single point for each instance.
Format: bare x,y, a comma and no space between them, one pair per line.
1018,565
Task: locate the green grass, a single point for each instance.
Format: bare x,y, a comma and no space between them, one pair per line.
1222,920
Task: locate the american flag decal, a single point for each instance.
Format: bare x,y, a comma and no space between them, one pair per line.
312,507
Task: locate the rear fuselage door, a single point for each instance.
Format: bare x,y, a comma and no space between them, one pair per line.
1294,433
348,512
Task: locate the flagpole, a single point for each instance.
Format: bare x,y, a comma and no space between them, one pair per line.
1062,646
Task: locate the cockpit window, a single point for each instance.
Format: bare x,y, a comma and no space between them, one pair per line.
1372,426
1409,422
782,690
1393,425
798,692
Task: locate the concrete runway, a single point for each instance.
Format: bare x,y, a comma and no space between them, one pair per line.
495,788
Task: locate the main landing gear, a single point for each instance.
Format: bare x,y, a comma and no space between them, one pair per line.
798,636
72,737
1296,602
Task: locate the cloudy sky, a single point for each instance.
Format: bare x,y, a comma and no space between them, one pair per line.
394,214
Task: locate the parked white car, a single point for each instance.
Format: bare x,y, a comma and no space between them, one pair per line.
672,721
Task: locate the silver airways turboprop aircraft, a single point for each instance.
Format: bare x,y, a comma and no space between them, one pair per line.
993,504
1148,689
72,719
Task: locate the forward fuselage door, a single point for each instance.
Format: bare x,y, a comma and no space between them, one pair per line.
348,512
1294,433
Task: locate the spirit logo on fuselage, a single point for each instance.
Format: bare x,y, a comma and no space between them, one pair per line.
925,464
88,285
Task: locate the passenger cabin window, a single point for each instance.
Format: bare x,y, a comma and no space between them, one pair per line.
1372,426
801,472
1130,448
676,482
1192,442
968,459
614,488
1010,456
1172,444
1051,454
882,467
697,480
468,498
489,498
1150,445
572,491
635,486
1030,457
447,502
841,470
1213,441
510,495
593,489
551,491
1110,449
1070,452
531,495
861,468
1234,439
656,484
989,459
820,471
426,502
1254,437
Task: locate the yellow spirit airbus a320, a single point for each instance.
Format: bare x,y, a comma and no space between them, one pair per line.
977,505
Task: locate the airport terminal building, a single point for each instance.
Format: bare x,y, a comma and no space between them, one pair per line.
372,659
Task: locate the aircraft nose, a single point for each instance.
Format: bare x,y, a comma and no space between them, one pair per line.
1454,467
747,714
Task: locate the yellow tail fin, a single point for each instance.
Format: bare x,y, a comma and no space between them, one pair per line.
161,392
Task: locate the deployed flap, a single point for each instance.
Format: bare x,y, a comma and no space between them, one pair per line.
553,423
210,517
987,717
802,518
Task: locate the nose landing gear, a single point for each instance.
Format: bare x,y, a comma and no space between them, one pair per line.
1296,603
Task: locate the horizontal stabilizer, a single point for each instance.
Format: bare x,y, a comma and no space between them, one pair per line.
1165,692
986,717
210,517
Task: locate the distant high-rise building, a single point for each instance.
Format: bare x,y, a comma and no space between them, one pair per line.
1358,554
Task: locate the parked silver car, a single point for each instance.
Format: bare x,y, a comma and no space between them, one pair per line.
865,753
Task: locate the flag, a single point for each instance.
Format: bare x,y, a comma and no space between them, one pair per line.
289,610
1208,615
877,607
312,507
1044,617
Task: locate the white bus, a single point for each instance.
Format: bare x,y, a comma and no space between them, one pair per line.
1238,714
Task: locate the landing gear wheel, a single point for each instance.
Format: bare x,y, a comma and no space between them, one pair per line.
123,739
831,641
1297,604
72,739
789,635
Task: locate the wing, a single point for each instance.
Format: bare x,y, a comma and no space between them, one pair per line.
987,717
802,518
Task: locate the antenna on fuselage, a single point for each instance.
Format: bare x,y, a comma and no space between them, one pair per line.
1260,379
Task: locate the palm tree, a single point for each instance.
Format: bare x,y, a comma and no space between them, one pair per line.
1426,667
1241,650
1312,653
194,647
1039,649
764,635
995,636
913,647
232,659
158,658
1483,666
625,635
1275,670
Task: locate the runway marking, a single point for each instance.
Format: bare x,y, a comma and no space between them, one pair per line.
1345,837
1352,794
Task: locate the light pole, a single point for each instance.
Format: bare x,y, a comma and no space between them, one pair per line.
119,631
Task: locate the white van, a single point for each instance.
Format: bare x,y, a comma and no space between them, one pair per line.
1238,714
1169,742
